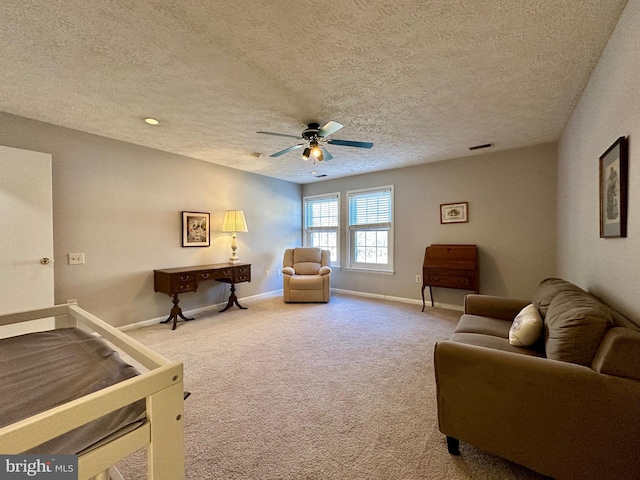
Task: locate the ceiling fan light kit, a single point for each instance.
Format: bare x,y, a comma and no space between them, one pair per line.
313,136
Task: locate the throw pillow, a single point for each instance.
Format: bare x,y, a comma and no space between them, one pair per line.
526,328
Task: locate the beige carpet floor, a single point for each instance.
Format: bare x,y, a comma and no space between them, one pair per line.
343,390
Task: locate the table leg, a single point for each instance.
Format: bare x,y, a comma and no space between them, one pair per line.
232,299
176,312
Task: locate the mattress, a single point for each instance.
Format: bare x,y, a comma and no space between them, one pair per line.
42,370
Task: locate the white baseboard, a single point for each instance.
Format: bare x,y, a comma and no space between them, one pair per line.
389,298
276,293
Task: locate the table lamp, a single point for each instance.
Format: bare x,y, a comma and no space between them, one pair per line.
234,222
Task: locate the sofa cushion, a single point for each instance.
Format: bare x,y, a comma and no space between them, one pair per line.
547,291
306,282
306,268
526,327
574,326
307,254
484,325
496,343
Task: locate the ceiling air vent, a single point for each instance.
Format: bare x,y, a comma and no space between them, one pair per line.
478,147
321,175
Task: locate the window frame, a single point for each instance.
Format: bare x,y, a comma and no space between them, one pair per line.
307,232
387,268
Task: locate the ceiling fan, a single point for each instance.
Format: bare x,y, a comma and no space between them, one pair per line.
313,136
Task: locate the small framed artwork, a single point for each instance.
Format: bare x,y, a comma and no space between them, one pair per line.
196,231
454,212
614,165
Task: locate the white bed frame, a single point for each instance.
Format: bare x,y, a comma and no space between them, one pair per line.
162,432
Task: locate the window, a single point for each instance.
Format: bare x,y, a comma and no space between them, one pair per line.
371,229
322,223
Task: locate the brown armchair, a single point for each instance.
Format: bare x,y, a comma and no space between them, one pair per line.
306,275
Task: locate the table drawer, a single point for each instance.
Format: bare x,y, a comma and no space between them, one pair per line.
242,270
207,275
183,282
242,274
454,281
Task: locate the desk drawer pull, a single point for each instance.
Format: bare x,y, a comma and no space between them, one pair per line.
451,280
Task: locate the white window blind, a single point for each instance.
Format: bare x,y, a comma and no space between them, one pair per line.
371,229
370,208
321,213
322,223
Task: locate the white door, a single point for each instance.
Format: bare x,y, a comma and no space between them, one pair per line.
26,233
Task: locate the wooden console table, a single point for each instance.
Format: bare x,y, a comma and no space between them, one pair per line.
173,281
450,266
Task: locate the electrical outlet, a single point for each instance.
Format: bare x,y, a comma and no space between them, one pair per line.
267,273
418,278
76,258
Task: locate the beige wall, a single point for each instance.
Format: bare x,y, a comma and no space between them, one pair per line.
512,212
609,108
120,204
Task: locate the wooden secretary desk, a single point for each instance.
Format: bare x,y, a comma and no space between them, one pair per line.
450,266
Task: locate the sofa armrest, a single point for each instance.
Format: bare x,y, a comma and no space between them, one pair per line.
288,271
503,308
541,413
324,270
618,353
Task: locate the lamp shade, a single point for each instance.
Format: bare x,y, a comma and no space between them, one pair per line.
234,221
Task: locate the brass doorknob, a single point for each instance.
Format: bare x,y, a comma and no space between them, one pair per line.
45,261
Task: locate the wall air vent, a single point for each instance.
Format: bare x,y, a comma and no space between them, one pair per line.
478,147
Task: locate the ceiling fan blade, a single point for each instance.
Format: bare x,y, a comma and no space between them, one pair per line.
325,153
286,150
329,128
350,143
280,134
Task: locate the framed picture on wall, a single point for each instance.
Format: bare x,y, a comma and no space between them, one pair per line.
454,212
196,229
614,165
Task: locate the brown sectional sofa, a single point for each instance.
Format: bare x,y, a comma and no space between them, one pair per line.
567,406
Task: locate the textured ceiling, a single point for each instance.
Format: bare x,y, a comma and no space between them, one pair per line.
422,80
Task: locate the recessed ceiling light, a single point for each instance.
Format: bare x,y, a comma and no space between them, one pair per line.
151,121
313,173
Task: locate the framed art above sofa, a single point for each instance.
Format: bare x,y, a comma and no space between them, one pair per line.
614,165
